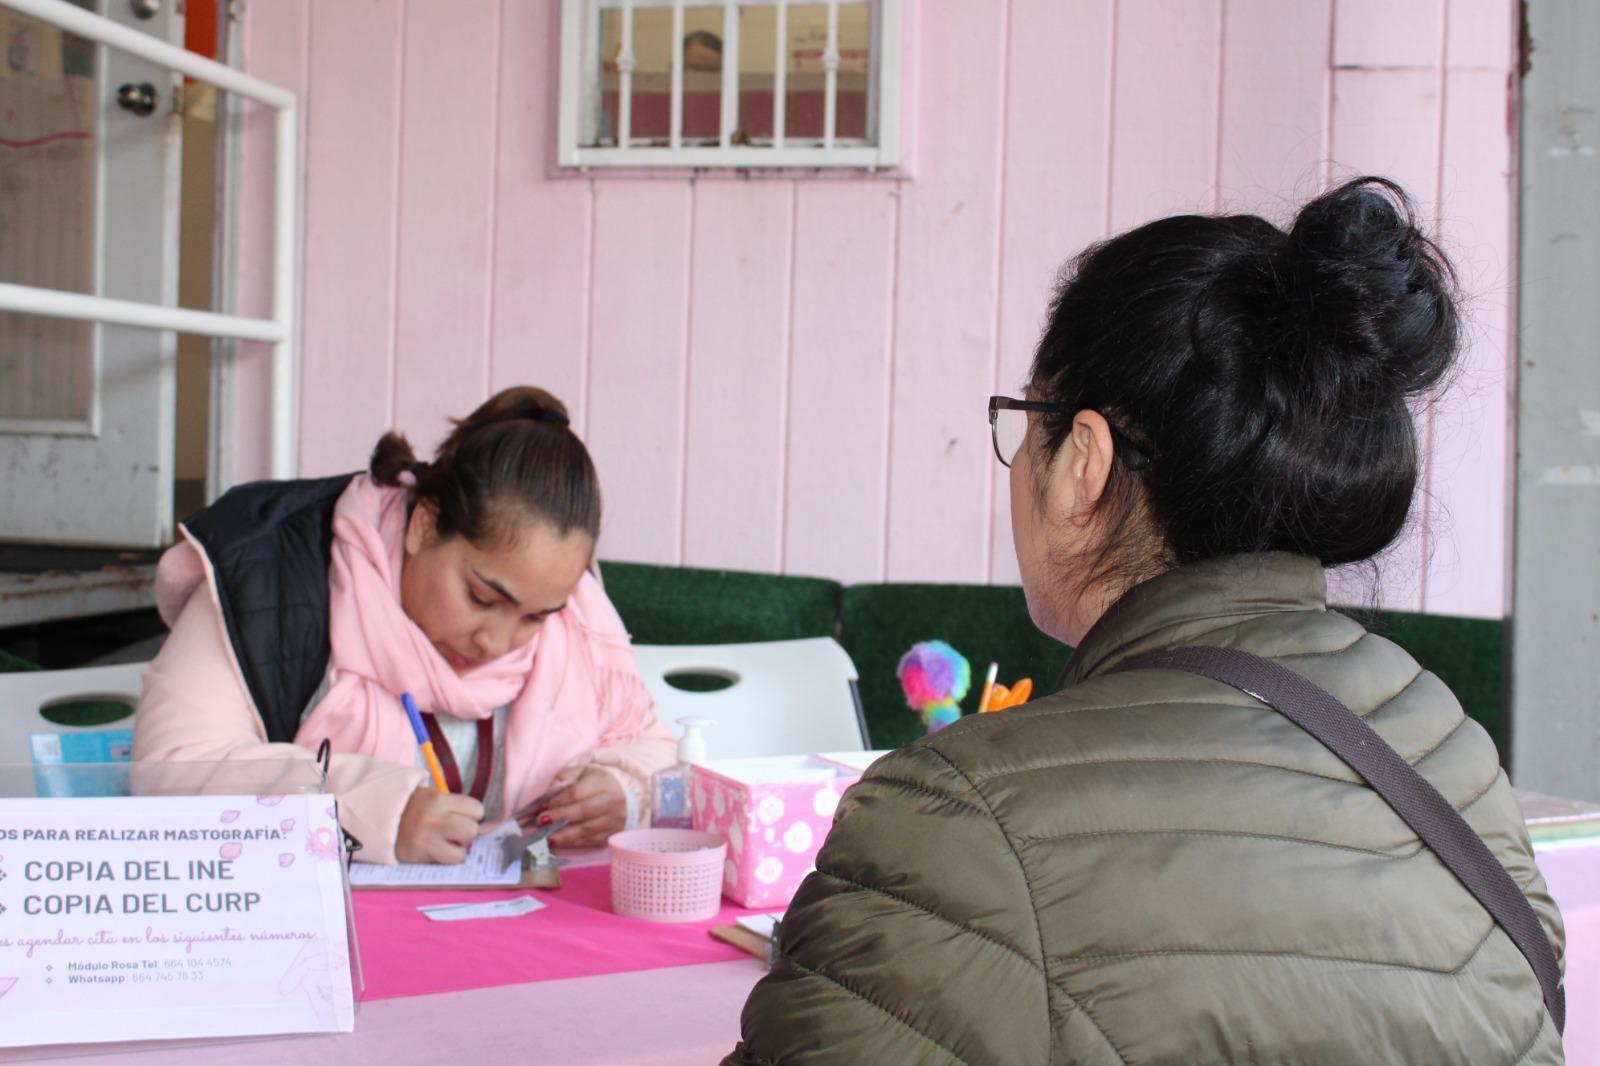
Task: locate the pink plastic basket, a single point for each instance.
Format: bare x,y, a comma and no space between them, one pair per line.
666,875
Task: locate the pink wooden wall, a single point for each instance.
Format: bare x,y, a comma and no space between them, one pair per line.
790,374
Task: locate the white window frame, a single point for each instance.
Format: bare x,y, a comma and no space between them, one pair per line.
580,81
278,330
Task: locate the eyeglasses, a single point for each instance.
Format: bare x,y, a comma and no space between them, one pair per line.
1008,423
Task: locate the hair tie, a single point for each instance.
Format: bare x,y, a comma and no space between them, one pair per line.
553,417
418,468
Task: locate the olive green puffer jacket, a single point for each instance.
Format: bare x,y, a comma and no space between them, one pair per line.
1152,867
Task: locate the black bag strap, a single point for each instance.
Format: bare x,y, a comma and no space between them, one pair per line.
1413,798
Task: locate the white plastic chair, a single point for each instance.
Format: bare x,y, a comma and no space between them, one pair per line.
787,697
24,694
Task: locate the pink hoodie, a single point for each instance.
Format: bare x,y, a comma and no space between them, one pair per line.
574,694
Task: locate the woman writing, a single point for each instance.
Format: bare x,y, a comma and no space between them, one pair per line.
1152,866
302,610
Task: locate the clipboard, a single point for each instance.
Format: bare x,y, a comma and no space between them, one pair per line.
487,859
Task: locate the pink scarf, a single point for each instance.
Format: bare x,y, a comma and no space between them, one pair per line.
570,690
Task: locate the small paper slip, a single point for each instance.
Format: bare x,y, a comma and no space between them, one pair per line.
500,908
484,867
760,924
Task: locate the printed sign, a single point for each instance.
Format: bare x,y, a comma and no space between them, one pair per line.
160,917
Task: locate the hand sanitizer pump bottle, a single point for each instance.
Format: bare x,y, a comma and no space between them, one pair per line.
669,788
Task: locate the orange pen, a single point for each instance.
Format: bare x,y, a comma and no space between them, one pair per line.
988,688
423,742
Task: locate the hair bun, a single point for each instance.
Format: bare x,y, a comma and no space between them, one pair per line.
519,401
1357,267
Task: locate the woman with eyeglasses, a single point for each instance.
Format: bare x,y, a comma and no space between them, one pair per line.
1154,865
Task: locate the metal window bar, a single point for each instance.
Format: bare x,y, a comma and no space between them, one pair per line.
625,65
874,71
830,63
278,330
730,71
675,128
780,77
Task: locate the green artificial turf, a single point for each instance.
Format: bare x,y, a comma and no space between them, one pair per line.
877,624
985,623
12,664
689,605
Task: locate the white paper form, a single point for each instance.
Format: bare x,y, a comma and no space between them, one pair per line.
500,908
760,924
483,866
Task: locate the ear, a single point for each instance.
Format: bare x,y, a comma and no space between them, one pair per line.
422,526
1092,454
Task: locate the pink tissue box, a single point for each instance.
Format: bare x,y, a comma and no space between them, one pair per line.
774,813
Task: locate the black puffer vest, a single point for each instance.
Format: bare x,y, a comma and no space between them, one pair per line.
269,544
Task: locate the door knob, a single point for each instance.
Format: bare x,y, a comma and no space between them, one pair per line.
140,99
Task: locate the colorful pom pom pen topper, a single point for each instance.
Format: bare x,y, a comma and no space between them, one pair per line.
935,678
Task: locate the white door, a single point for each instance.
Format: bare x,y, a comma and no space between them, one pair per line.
89,185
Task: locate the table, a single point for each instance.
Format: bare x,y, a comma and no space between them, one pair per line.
682,1016
690,1014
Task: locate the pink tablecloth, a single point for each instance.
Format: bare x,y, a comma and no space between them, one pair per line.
576,935
1572,873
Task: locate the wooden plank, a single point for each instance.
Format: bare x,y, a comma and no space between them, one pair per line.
1469,470
447,156
843,311
938,520
1055,190
1164,118
1386,122
1275,97
540,326
637,364
351,164
1481,34
274,49
738,374
1387,33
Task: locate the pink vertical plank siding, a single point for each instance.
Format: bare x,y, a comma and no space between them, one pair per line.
1058,106
1386,121
447,169
738,374
941,466
540,285
347,361
1470,471
1275,83
275,49
788,371
1164,117
1387,33
843,326
637,365
1481,33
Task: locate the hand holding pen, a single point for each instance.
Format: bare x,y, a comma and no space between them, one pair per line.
436,825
